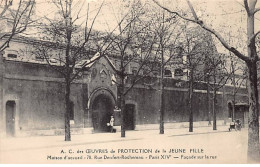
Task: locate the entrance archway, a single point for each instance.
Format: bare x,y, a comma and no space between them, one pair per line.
101,105
102,109
10,118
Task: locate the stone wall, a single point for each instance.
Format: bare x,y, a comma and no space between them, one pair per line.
38,92
147,99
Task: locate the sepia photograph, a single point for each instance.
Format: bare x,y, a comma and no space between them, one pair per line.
129,82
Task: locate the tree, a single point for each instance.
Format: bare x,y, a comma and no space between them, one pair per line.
196,49
218,75
167,50
237,71
72,46
134,48
250,60
236,80
14,20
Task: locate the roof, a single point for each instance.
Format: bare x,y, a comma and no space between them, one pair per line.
93,60
29,40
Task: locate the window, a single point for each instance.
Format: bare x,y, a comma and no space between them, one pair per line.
134,70
178,72
168,73
10,55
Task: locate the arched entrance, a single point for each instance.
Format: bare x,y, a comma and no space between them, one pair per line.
102,104
10,118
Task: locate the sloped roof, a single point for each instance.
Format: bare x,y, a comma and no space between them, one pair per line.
93,60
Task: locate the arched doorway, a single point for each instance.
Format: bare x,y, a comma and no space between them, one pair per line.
102,109
10,118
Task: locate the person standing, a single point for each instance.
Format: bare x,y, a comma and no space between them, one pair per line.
112,120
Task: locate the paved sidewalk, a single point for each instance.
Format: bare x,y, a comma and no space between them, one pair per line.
38,142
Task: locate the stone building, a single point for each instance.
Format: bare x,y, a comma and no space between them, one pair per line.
32,99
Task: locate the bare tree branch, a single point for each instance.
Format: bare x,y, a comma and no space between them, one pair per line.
252,39
192,10
256,10
17,26
87,33
77,17
216,34
101,54
246,7
42,50
241,82
6,6
92,24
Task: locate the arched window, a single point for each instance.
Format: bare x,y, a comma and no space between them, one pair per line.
178,72
168,73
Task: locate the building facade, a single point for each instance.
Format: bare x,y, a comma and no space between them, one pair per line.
32,99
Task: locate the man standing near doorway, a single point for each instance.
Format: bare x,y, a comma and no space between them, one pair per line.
111,123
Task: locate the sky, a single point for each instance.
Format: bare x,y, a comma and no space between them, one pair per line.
228,17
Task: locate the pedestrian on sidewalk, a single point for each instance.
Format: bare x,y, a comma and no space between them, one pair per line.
112,124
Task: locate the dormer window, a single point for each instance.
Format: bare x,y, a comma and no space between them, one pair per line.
11,55
178,72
